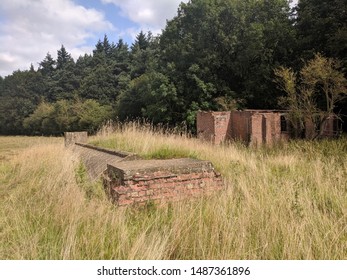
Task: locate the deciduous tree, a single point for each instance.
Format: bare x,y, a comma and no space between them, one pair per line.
312,95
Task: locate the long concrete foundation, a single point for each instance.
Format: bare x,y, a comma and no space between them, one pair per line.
130,180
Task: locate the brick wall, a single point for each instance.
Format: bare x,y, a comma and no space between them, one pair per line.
272,129
160,181
328,128
257,130
241,125
205,126
266,128
222,127
256,127
214,127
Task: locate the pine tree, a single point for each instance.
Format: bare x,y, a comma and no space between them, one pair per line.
106,46
63,58
142,41
47,66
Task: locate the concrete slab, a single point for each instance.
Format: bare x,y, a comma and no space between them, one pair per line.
131,169
95,161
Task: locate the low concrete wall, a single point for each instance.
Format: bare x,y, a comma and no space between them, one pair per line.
71,138
129,180
121,154
139,182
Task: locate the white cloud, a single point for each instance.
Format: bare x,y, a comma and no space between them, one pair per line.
31,28
294,3
148,14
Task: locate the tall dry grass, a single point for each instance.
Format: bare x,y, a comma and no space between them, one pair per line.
288,202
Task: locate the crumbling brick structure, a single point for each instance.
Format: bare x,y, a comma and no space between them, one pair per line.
330,128
251,126
142,181
255,127
214,126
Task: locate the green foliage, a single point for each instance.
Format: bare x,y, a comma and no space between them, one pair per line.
99,84
226,49
213,55
150,96
61,78
19,95
61,116
40,120
64,58
143,55
12,113
313,95
47,66
167,152
321,27
91,115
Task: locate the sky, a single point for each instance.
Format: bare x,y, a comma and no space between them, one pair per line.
29,29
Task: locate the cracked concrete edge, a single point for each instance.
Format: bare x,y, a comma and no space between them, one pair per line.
125,155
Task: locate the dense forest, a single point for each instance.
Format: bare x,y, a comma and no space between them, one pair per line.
213,55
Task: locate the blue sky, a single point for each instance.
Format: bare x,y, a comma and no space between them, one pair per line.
113,14
31,28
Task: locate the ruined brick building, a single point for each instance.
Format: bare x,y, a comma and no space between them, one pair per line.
251,126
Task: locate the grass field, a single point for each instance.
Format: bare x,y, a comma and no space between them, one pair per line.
285,202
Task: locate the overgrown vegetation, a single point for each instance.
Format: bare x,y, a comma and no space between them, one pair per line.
289,202
313,95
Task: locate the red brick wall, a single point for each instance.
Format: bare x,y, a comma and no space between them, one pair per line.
214,126
256,127
328,128
163,186
205,126
240,125
222,127
273,128
251,126
266,128
257,130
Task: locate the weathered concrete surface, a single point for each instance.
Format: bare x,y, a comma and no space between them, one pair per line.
96,161
75,137
122,154
140,168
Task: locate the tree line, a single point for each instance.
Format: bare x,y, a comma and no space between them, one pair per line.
213,55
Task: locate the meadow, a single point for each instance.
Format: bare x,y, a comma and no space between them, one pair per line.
284,202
